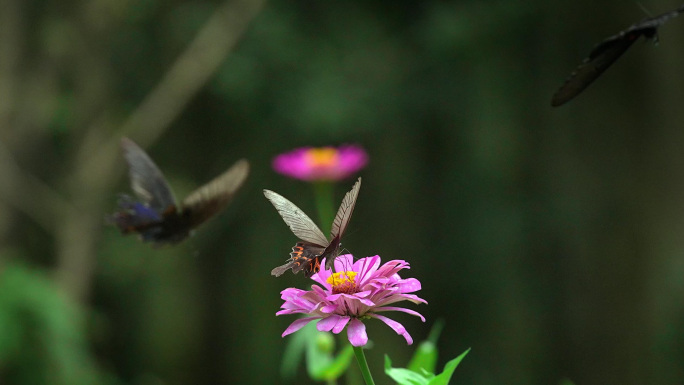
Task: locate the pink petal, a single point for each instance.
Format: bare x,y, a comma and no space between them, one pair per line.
349,159
327,323
401,309
298,303
356,332
400,297
390,268
290,292
396,326
409,285
366,267
291,311
361,294
343,262
414,298
352,158
354,307
320,292
341,323
328,309
298,324
333,297
351,297
322,277
366,302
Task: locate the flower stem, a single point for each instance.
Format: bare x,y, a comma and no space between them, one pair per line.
323,192
363,365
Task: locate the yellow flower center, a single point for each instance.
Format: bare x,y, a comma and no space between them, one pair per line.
322,157
343,282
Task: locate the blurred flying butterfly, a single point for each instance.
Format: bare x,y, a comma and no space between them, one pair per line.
157,217
606,53
314,246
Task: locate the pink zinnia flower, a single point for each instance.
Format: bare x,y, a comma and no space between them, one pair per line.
321,163
358,291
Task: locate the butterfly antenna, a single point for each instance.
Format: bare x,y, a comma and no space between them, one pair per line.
643,8
346,251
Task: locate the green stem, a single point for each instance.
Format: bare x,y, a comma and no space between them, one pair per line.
363,365
324,195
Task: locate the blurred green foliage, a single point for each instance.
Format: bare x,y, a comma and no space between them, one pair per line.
423,377
42,335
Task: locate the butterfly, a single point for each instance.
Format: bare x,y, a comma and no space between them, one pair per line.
157,217
606,53
308,253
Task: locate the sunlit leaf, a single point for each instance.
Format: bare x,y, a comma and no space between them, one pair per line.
444,377
405,376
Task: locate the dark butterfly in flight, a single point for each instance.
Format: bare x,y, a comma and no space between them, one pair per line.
606,53
157,217
314,246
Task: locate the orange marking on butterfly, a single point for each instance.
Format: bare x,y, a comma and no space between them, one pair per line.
316,266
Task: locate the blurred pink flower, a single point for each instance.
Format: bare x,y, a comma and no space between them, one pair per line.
358,291
321,163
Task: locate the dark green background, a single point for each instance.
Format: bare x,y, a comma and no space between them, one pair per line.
551,241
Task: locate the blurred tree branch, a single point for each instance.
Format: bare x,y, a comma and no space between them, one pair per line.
98,156
10,43
45,204
10,46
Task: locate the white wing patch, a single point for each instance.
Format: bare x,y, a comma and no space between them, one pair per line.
301,225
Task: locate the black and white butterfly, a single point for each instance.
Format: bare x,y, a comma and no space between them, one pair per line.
157,217
606,53
313,246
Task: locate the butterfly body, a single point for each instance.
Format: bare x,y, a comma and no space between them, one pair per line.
606,53
169,226
304,256
157,217
309,252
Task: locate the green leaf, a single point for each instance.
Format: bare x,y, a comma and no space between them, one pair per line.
444,377
405,376
425,357
338,366
321,364
436,331
294,351
319,348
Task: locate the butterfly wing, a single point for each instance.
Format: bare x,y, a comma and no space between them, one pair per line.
147,181
149,216
345,211
304,256
299,223
340,223
600,58
214,196
606,53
